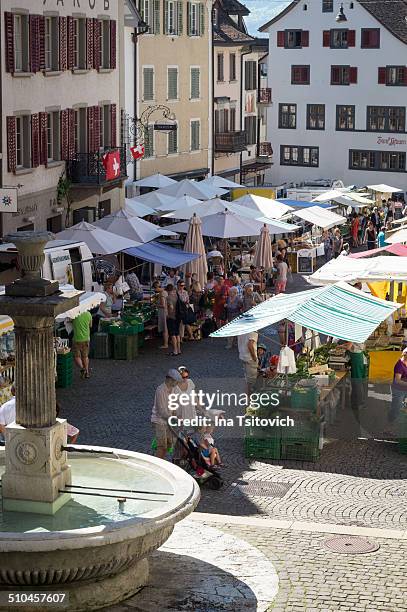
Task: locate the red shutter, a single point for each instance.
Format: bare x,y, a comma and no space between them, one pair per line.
326,38
305,38
305,74
334,75
97,44
351,38
382,76
91,130
353,74
71,133
113,125
71,43
64,121
375,38
405,75
11,144
63,43
281,38
43,138
41,42
35,141
9,41
96,119
89,44
113,54
34,46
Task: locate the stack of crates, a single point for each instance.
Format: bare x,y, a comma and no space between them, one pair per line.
125,347
100,346
402,438
262,442
301,442
64,370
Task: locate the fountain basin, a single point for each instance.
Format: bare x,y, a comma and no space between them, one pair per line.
91,549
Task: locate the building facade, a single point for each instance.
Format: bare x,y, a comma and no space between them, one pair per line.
173,77
61,98
339,85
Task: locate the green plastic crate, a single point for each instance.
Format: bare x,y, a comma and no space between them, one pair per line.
64,381
303,428
64,357
123,330
140,339
100,346
300,450
304,398
262,448
125,347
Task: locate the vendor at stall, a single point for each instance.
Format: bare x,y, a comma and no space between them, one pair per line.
398,387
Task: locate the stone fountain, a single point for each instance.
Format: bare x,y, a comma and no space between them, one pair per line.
80,527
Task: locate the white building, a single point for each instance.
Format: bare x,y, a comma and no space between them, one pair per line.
339,92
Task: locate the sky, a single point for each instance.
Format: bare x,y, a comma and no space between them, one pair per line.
261,12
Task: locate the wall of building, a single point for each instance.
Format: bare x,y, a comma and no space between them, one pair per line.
333,145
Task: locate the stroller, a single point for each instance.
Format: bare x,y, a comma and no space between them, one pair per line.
189,457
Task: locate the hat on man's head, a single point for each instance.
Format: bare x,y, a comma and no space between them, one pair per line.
174,374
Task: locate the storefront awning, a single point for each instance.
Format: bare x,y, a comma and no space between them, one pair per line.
158,253
339,310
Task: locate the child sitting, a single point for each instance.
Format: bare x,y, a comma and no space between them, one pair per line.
207,447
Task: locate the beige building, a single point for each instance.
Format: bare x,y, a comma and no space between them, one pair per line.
174,72
61,98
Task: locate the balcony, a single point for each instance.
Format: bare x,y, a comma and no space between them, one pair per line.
87,170
265,152
230,142
265,95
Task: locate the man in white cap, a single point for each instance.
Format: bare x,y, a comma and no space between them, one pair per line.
161,412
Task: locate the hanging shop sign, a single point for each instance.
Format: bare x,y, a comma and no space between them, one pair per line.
165,127
8,200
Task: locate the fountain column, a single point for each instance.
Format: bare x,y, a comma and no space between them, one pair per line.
36,467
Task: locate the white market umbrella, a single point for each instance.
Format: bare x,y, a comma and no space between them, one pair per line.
194,189
155,180
219,181
185,201
138,208
194,244
330,195
399,236
202,209
97,239
263,256
266,207
125,224
382,188
153,199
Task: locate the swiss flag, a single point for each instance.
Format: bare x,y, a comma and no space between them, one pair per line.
137,152
111,163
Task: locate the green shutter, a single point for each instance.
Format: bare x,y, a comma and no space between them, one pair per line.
195,83
179,17
166,17
141,8
148,85
201,14
148,141
172,83
156,17
173,142
195,135
189,29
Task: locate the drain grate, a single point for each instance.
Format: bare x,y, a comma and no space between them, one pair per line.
259,488
351,545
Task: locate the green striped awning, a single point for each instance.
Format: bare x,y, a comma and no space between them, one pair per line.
337,310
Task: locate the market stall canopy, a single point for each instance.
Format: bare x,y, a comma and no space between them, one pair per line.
123,223
185,201
153,200
320,217
87,301
228,224
219,181
339,310
382,188
98,240
330,195
398,237
393,249
266,207
137,207
155,181
158,253
194,189
301,204
211,207
372,269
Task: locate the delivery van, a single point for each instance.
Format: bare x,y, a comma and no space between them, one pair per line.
66,261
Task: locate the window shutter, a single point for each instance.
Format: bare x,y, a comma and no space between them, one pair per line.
334,75
34,47
35,141
9,36
351,38
41,42
375,38
382,76
71,133
97,43
195,84
280,38
165,16
156,19
201,13
71,42
189,23
180,17
353,74
226,120
11,144
172,83
305,38
217,122
148,83
232,119
405,75
113,125
326,38
97,110
64,124
43,138
113,54
89,44
90,129
63,43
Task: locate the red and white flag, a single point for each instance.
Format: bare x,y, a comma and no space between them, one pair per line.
111,163
137,152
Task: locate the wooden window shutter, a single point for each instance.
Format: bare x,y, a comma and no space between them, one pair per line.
43,138
71,43
9,41
180,17
41,42
351,38
201,10
97,110
97,44
71,133
217,122
64,124
353,74
89,44
156,18
326,38
405,75
305,38
34,47
226,119
189,24
11,144
113,125
91,129
63,43
232,119
35,141
165,16
113,53
280,38
382,76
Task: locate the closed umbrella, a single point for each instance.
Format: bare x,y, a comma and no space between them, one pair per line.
138,208
263,256
185,201
125,224
156,181
194,244
98,240
194,189
266,207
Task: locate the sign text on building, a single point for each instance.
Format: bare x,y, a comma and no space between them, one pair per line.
80,3
391,141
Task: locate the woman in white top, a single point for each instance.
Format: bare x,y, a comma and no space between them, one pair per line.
187,386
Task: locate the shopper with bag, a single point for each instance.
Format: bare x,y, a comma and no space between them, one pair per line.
173,319
185,311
